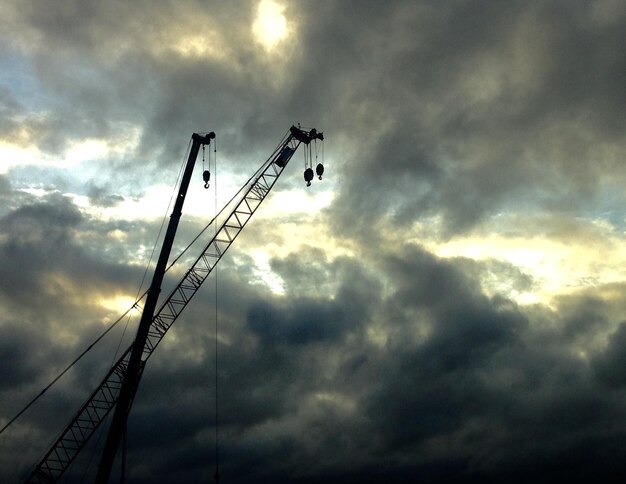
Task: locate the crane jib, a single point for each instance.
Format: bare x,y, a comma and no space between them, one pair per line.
105,397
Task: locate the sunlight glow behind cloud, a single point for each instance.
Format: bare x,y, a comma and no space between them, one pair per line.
203,45
119,304
557,266
270,25
76,151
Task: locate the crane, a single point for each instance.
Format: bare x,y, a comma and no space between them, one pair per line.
119,386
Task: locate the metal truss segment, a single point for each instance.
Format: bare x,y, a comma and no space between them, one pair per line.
105,396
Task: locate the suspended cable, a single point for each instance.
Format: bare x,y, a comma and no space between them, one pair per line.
217,465
58,377
258,192
254,178
138,300
229,203
143,279
154,247
115,323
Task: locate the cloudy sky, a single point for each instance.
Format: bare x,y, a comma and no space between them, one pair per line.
449,303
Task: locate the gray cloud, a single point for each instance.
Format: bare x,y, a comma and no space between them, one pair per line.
473,110
390,364
465,387
608,365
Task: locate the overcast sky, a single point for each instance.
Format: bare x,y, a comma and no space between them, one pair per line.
448,303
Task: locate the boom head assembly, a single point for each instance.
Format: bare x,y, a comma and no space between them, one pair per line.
306,136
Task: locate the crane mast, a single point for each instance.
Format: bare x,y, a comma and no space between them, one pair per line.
119,386
132,374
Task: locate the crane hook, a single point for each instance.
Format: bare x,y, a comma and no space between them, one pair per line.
206,176
319,169
308,176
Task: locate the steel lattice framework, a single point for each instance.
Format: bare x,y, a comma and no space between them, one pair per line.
94,411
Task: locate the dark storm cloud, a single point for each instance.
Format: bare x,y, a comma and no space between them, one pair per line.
262,380
44,265
467,109
465,328
609,365
56,264
15,345
388,365
302,319
300,324
465,387
40,254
